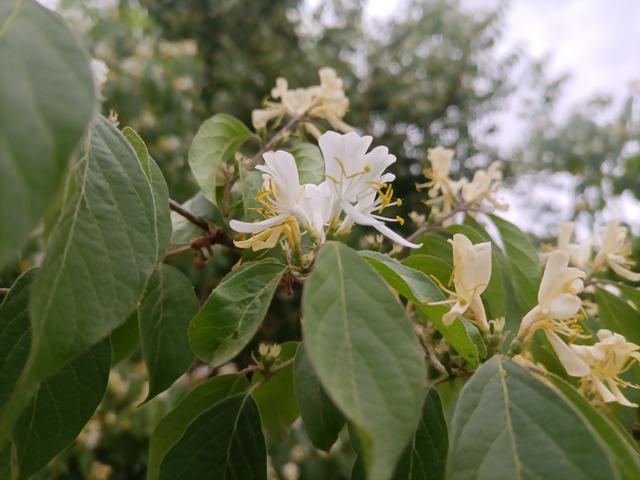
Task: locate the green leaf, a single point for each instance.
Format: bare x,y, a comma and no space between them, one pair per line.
617,315
425,458
310,162
46,102
125,339
522,261
276,399
619,451
322,420
61,407
174,424
15,336
430,265
232,314
420,289
509,425
99,256
631,293
364,351
435,245
250,187
216,141
168,305
224,441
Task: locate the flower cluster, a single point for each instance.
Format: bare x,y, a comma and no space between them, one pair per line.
445,194
356,191
614,251
327,101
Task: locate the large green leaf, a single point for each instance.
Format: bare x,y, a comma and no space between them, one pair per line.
322,420
509,425
47,99
224,442
435,245
275,398
216,141
125,339
168,305
234,311
523,263
173,425
430,266
15,336
99,256
365,353
420,289
61,407
622,454
618,315
425,458
309,161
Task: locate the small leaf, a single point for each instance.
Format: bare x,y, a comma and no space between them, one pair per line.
15,335
174,424
232,314
276,398
310,162
47,100
509,425
364,351
224,441
322,420
60,408
618,315
522,261
168,305
420,289
619,450
216,141
425,458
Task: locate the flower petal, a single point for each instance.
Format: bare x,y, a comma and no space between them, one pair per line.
573,364
363,219
564,306
253,227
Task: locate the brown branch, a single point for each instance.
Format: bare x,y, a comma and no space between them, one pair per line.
196,220
213,233
4,291
255,160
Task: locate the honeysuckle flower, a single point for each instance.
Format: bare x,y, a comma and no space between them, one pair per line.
471,275
607,359
100,72
481,187
326,100
280,195
442,191
615,251
317,203
579,254
359,182
558,304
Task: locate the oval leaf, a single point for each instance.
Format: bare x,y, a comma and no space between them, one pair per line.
232,314
509,425
309,161
364,350
168,305
46,102
173,425
216,141
618,315
322,420
223,442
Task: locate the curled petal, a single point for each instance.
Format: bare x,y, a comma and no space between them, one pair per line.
571,362
457,310
253,227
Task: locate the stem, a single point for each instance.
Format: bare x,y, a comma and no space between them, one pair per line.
267,374
177,251
4,291
214,233
255,160
196,220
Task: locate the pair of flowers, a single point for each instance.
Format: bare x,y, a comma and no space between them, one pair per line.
356,184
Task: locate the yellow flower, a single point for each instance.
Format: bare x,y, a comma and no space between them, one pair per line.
607,359
615,251
471,275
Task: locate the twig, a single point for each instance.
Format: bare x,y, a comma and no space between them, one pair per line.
177,251
267,146
4,291
180,210
267,374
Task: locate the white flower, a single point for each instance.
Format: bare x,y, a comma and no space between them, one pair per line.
100,72
442,191
615,251
558,303
359,182
606,360
317,203
482,185
579,254
471,275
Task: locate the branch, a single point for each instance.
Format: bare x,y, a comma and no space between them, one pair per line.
4,291
213,233
255,160
180,210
